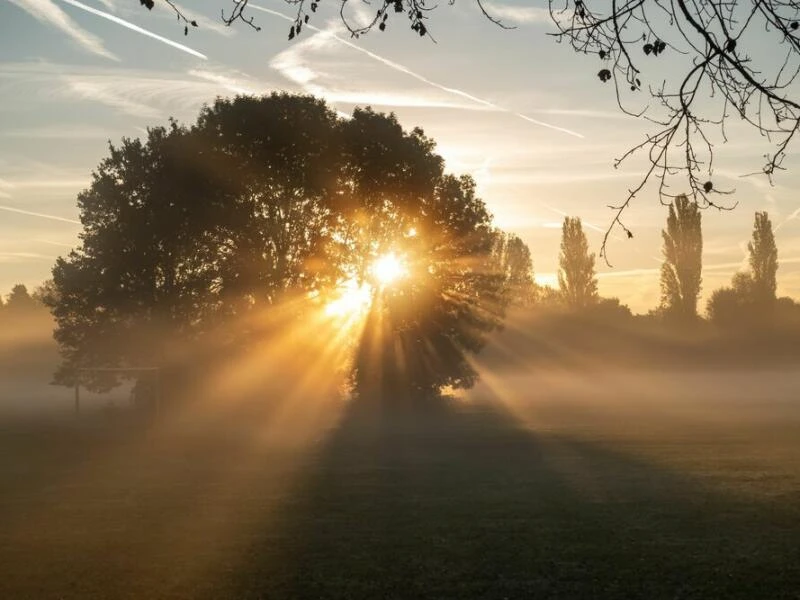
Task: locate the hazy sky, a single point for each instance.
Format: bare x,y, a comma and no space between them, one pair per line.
521,113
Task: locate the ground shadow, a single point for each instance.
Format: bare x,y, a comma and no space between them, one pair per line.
436,500
464,502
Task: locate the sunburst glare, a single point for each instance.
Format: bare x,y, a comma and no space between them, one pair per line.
351,298
389,268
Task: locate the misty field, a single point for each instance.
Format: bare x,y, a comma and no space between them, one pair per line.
559,484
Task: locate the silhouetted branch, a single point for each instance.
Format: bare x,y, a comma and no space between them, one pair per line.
714,37
726,57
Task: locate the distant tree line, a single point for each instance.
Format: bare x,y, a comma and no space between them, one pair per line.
19,305
749,303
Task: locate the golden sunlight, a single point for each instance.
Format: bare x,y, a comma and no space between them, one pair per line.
388,268
351,298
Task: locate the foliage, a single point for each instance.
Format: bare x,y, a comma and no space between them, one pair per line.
610,311
576,276
763,260
19,300
683,261
733,307
421,329
516,264
147,270
750,301
699,63
215,229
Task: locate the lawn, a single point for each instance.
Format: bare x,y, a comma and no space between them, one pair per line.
534,485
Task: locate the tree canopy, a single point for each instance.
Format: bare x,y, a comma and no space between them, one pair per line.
272,206
576,277
763,259
681,271
751,300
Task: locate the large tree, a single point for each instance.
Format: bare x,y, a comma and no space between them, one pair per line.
685,66
683,261
576,277
763,260
262,204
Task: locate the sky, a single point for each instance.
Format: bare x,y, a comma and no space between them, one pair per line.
524,115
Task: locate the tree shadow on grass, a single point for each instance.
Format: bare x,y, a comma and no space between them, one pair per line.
115,510
456,501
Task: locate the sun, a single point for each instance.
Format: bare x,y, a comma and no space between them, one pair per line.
352,298
388,268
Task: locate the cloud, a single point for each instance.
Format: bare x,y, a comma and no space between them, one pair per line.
14,257
156,95
49,13
289,62
58,132
143,94
37,214
240,84
112,92
293,64
518,14
553,176
4,186
581,113
584,222
794,215
735,266
48,183
203,23
132,27
164,12
54,243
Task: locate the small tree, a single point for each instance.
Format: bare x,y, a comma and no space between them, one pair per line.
576,277
763,260
683,261
515,263
19,300
732,307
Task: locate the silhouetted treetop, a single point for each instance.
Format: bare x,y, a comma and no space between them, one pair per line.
19,300
763,259
576,277
681,271
267,206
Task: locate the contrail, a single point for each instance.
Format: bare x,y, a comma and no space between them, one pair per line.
136,28
405,70
791,217
47,12
52,243
587,223
41,215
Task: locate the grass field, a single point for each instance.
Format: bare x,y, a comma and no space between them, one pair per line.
534,485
